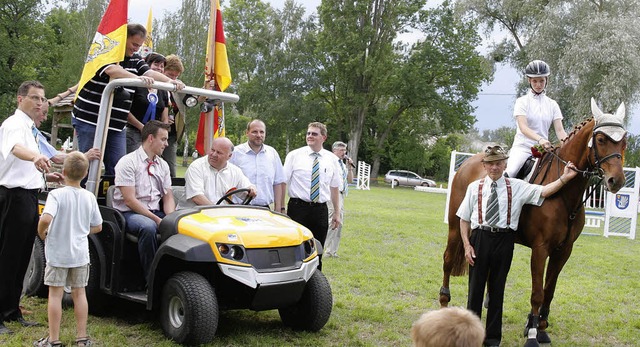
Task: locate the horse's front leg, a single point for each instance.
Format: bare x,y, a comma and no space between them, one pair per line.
538,259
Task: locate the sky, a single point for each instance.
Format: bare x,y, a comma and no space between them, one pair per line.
494,107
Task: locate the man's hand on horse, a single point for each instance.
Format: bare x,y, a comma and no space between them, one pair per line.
570,171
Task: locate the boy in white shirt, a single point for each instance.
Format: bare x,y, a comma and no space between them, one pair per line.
69,215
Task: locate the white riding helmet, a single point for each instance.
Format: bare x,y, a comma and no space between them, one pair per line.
537,68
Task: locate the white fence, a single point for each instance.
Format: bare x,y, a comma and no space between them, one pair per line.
364,175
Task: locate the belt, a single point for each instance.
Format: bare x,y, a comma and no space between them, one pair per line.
297,201
494,229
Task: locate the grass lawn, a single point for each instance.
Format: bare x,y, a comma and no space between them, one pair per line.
389,272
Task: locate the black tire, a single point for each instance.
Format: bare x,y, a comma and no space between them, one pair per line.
67,299
312,312
189,309
33,283
98,301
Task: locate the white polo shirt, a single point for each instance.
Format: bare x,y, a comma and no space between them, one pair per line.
15,172
203,179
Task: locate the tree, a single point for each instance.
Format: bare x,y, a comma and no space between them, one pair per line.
357,38
591,46
434,84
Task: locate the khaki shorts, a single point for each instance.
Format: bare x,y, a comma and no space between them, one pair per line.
74,277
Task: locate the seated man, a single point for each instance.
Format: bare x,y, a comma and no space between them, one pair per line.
208,178
143,180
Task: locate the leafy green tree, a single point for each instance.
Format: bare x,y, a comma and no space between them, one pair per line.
591,46
357,41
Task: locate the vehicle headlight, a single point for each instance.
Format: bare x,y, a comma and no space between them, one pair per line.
309,247
232,252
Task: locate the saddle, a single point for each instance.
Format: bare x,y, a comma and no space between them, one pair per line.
527,168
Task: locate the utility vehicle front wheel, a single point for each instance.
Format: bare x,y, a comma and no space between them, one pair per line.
189,309
312,312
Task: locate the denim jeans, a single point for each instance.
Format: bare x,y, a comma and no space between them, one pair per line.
115,147
145,229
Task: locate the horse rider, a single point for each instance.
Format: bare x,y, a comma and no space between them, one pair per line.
534,113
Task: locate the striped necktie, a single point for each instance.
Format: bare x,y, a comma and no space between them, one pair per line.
315,178
493,216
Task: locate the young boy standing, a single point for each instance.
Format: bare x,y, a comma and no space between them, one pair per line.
69,215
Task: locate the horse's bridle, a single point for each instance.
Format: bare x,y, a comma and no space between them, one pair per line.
597,165
598,160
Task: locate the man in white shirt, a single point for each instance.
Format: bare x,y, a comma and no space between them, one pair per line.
309,193
143,180
488,231
209,178
22,174
262,165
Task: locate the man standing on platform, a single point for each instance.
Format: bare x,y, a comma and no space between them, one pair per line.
346,166
313,177
262,165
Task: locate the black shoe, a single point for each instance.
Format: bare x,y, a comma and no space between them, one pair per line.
25,323
5,330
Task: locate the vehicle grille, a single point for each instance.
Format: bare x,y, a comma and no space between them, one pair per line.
275,259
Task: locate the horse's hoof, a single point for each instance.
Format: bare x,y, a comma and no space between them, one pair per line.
531,338
543,337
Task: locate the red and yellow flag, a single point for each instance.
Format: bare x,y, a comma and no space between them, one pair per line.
216,69
110,42
147,47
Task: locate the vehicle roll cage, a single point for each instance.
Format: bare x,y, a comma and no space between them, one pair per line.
104,115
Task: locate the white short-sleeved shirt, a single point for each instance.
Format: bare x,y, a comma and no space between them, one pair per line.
264,170
297,171
74,211
540,111
151,182
521,193
15,172
203,179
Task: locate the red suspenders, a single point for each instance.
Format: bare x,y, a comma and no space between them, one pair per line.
508,200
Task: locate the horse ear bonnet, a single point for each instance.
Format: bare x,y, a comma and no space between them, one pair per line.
611,125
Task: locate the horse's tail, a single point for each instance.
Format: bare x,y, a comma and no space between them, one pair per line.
454,254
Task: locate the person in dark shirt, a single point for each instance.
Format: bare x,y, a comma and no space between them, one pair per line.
85,113
148,104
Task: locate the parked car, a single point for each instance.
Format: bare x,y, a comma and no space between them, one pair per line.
407,178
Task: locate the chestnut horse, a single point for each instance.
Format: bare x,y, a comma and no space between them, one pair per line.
595,147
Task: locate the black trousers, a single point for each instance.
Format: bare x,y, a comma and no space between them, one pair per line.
18,229
314,216
494,252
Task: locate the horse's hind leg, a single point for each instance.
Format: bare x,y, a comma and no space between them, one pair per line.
447,265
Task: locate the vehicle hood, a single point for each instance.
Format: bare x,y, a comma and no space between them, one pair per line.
251,227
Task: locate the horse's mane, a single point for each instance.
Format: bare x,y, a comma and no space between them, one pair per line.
575,130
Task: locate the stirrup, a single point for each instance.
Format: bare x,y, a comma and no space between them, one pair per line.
84,341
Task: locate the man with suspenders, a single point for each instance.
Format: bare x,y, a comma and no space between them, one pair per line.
489,217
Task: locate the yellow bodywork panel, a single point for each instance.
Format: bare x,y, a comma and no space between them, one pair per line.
252,228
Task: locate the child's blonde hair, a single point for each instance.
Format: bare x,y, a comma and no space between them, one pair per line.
75,166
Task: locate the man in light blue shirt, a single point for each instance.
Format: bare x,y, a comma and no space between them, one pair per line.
262,165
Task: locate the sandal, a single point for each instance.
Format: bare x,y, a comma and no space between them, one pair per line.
84,342
44,342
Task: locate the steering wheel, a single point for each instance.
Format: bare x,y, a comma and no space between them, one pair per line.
229,194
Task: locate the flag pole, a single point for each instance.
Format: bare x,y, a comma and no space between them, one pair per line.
209,79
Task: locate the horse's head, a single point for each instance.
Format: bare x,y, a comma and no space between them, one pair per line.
607,145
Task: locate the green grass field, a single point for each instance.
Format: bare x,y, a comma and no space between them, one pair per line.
389,272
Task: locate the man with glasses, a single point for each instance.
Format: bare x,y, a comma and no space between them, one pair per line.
143,180
314,178
489,217
23,171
